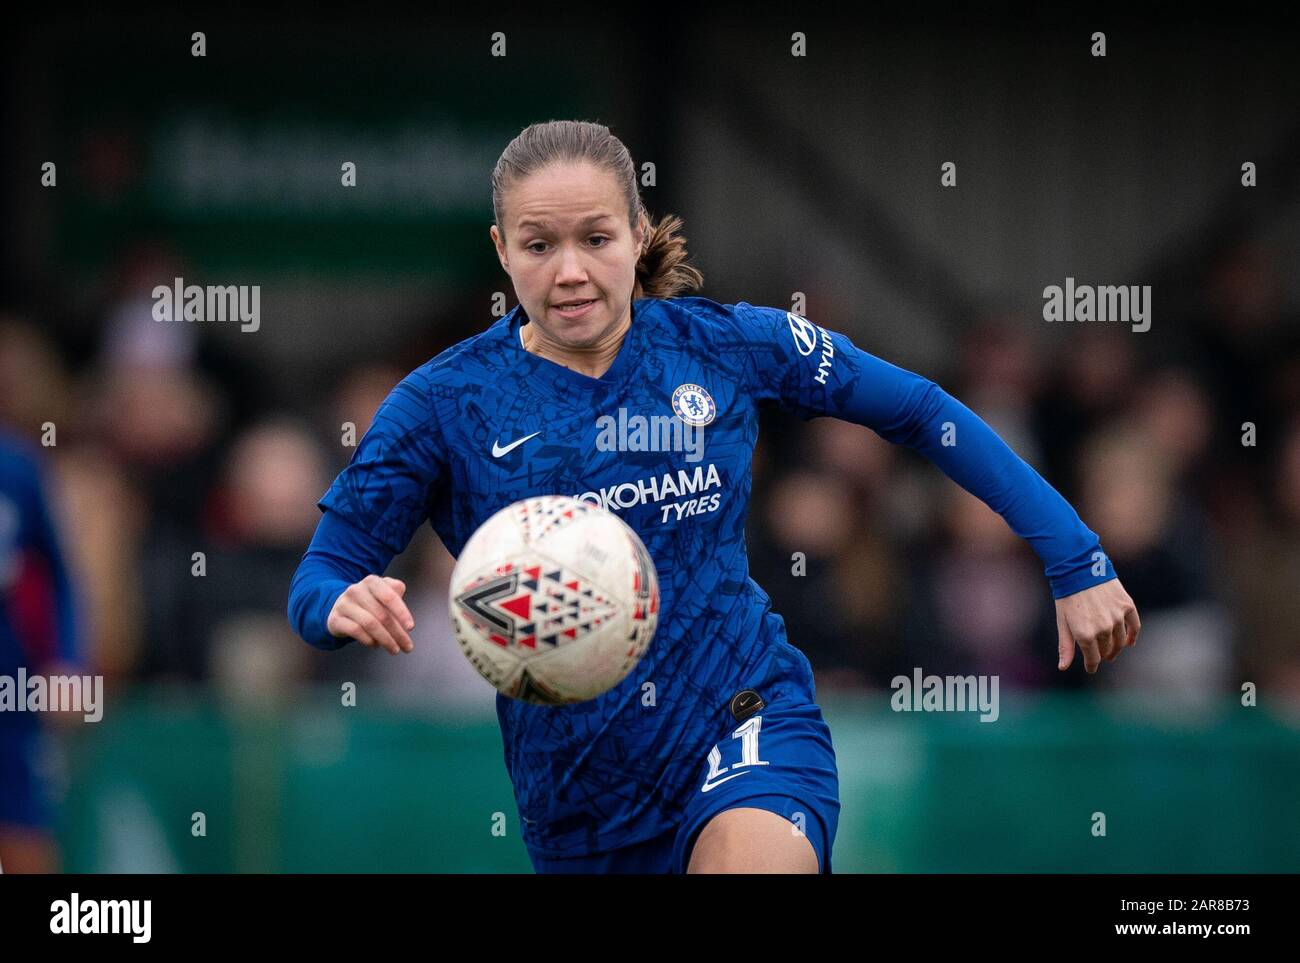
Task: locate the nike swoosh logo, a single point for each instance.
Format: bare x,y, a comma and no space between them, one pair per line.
714,785
498,451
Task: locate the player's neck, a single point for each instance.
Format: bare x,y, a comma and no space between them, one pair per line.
592,362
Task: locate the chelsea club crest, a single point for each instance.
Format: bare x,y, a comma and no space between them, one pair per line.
694,405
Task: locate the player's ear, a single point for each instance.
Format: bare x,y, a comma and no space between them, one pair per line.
499,243
643,226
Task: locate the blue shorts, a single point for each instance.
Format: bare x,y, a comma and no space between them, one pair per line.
24,794
779,759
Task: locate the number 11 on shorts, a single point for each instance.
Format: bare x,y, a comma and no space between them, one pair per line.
748,736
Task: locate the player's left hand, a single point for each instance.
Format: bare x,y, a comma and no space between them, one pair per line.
1102,620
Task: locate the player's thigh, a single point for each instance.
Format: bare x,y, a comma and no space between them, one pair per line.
750,840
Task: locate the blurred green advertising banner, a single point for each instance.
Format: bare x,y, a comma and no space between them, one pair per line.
323,788
240,158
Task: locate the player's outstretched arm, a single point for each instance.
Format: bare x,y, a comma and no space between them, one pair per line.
813,371
372,612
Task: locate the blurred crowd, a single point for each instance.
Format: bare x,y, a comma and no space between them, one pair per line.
185,500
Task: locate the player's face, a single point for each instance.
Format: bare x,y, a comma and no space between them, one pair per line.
568,239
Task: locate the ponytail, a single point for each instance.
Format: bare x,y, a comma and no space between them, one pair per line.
661,270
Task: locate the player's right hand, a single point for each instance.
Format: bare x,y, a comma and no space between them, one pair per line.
372,612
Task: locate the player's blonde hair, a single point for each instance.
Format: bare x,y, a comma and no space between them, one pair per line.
661,268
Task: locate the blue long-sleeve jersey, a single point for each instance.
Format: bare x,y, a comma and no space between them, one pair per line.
38,611
615,771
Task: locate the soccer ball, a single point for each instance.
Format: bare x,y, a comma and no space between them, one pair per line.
554,600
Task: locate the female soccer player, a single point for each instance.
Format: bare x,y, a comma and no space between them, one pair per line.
712,756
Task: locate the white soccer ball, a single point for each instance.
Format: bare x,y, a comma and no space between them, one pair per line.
554,600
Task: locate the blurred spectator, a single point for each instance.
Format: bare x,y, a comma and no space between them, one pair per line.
830,576
359,394
36,387
1243,334
256,521
982,604
1263,563
1173,414
1246,353
110,519
1159,544
1092,383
